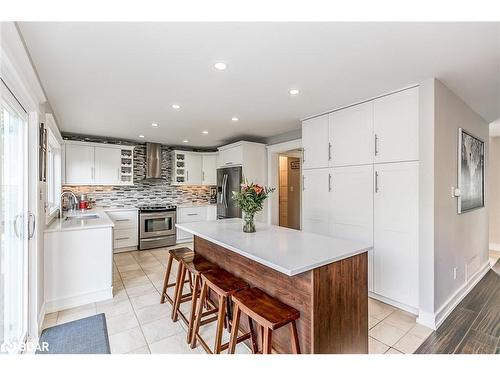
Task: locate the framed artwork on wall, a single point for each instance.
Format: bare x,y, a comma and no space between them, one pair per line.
470,172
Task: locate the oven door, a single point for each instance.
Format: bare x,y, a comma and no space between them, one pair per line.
157,224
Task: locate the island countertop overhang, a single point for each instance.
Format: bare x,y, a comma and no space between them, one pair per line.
288,251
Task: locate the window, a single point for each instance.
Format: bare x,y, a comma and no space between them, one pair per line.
53,187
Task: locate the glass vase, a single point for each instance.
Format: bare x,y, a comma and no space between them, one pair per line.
249,224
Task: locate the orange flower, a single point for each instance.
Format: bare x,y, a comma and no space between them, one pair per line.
258,189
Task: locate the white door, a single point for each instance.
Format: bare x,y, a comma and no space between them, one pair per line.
396,232
315,143
13,223
193,168
107,164
351,135
315,200
395,123
79,164
351,210
209,169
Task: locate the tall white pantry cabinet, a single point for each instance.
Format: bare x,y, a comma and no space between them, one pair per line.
360,181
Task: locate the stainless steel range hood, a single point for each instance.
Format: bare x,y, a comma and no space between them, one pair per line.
153,160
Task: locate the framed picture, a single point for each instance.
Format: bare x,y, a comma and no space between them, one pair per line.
470,172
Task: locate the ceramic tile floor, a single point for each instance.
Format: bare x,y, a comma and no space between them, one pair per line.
139,324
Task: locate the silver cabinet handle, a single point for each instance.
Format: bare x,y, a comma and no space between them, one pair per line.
31,231
187,175
376,144
229,163
122,238
329,151
203,175
329,182
303,155
122,220
192,214
303,183
119,173
376,182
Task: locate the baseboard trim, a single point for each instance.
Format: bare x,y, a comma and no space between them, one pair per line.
391,302
78,300
495,246
434,321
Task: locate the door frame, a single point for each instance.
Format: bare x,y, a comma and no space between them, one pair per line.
273,152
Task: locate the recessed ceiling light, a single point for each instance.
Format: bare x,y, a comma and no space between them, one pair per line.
141,136
176,106
205,131
220,66
185,141
294,91
154,125
235,119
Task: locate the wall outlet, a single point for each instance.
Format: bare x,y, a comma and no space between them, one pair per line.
454,273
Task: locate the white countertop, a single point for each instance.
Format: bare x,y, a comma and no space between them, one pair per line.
285,250
59,225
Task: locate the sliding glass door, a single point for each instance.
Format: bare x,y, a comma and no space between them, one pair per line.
13,223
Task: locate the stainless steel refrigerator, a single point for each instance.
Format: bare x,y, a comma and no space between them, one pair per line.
228,180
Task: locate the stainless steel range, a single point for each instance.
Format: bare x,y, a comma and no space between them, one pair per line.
157,226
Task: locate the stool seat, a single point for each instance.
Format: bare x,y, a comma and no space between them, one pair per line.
223,282
266,310
180,253
196,264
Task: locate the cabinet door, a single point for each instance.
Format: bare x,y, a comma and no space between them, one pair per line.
395,123
193,169
315,142
351,211
209,169
396,232
351,135
79,164
231,156
107,162
315,200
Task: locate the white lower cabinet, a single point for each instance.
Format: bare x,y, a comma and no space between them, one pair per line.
191,215
315,200
395,253
126,229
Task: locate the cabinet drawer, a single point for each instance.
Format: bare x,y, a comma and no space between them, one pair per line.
192,214
124,219
124,238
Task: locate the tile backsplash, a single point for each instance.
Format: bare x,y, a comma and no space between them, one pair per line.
143,191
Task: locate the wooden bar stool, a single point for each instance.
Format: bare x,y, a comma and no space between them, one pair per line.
266,311
223,284
176,254
195,265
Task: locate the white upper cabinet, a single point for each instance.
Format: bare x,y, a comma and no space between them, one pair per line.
230,156
396,232
209,169
351,135
316,150
395,124
315,200
193,168
89,163
351,209
107,164
79,160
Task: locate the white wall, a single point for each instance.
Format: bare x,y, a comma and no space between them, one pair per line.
494,192
447,240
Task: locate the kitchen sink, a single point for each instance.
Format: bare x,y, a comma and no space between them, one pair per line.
83,217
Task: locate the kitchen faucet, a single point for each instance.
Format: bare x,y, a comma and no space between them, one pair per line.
72,195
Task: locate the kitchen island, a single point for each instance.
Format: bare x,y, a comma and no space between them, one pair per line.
325,278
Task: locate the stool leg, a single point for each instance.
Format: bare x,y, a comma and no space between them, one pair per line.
253,338
193,308
295,339
167,276
268,338
220,324
234,331
199,312
178,291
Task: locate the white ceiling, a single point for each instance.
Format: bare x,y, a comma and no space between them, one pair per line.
115,79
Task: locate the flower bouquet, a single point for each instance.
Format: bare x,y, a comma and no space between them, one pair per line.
250,199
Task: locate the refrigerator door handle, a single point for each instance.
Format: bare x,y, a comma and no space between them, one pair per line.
225,190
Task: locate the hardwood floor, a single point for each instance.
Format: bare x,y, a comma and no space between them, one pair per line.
474,326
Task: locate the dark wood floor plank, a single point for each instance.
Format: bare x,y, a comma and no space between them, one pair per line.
474,325
476,342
